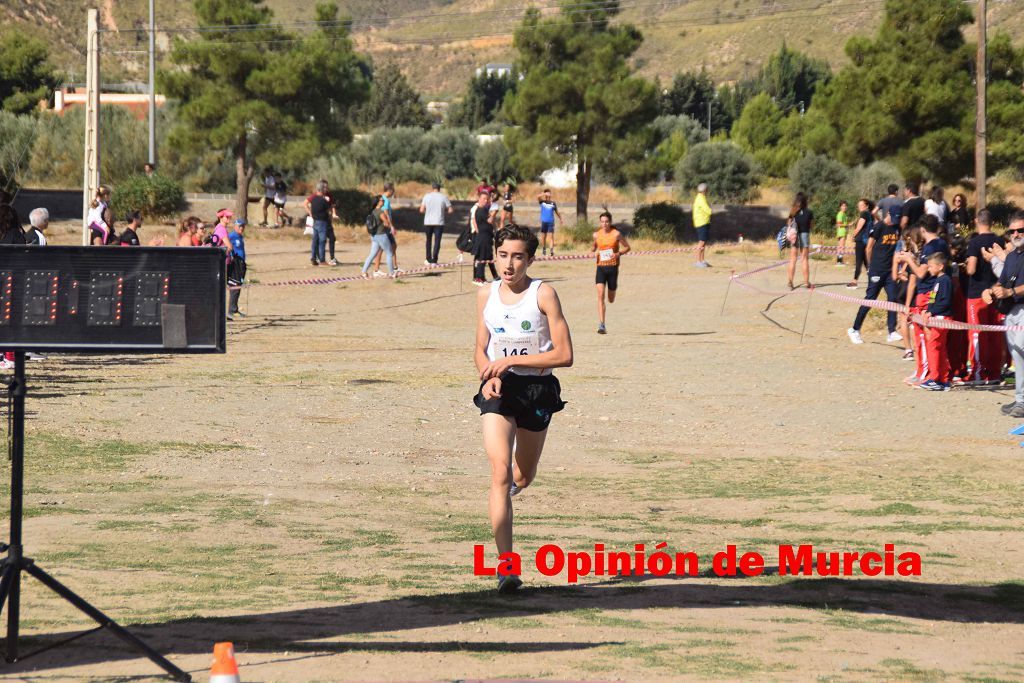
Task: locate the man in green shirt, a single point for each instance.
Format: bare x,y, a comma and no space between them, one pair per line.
702,222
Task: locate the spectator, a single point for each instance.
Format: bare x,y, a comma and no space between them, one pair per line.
101,218
388,217
959,214
130,235
320,207
880,250
149,169
39,220
485,186
187,231
842,223
219,238
483,244
10,226
507,206
280,199
548,212
985,350
702,224
940,307
236,268
269,189
434,206
380,242
919,289
803,219
861,235
936,206
892,207
199,236
1007,294
913,207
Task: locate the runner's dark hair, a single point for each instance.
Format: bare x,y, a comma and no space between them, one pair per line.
515,232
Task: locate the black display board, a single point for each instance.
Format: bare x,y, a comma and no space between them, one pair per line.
103,299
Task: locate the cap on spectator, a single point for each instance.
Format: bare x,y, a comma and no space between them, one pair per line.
241,221
225,212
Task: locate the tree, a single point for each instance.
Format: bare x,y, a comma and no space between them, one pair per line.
731,174
17,137
790,77
907,94
578,101
482,102
26,76
690,94
393,102
263,96
1005,104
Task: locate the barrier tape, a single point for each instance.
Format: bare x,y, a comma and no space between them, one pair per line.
453,264
895,307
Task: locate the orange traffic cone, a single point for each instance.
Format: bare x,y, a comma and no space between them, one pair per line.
224,669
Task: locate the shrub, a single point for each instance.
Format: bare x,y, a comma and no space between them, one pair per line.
493,160
352,205
57,156
731,174
662,221
825,206
17,136
453,150
816,174
153,196
404,170
582,232
872,181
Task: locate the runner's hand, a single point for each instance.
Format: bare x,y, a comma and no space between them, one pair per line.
491,389
495,368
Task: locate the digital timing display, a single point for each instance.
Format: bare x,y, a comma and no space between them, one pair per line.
92,298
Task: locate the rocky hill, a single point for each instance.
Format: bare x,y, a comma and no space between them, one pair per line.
440,43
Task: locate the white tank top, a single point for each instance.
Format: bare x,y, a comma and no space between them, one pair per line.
518,329
95,216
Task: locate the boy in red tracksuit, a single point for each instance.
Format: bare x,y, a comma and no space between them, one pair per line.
921,284
940,307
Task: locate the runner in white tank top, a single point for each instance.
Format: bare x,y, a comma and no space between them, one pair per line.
517,329
521,336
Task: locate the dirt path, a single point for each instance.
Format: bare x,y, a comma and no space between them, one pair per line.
314,495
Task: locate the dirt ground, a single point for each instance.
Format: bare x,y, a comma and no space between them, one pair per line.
314,495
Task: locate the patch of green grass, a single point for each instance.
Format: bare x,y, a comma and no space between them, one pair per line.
847,620
890,509
907,669
599,617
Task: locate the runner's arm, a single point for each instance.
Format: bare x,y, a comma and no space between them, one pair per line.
623,243
483,335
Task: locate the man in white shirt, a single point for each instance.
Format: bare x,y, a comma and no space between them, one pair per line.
434,207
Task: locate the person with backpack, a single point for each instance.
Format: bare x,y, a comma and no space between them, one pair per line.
236,268
320,207
378,225
801,221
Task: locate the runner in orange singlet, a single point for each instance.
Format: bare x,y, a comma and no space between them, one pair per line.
609,244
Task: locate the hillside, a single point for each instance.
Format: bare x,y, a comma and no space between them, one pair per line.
439,43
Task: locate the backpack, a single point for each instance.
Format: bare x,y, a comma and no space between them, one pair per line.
465,241
373,223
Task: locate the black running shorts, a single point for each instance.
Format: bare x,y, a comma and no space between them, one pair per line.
529,399
609,276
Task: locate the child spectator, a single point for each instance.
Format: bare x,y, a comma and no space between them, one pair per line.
842,222
236,268
940,307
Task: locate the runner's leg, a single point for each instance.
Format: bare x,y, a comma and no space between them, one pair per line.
499,435
528,449
600,303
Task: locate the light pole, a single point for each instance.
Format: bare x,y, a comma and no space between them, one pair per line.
152,85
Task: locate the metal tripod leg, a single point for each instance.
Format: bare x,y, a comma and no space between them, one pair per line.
106,622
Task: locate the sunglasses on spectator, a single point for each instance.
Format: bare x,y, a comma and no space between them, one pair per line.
1015,231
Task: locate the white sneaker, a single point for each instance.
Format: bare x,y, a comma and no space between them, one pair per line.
854,336
378,273
6,364
426,263
894,337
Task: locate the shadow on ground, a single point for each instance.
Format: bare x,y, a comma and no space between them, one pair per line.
302,630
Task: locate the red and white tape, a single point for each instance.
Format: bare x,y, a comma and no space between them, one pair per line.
944,323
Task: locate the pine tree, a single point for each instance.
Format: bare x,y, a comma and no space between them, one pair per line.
263,96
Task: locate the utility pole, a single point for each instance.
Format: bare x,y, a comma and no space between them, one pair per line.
981,129
152,84
91,175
